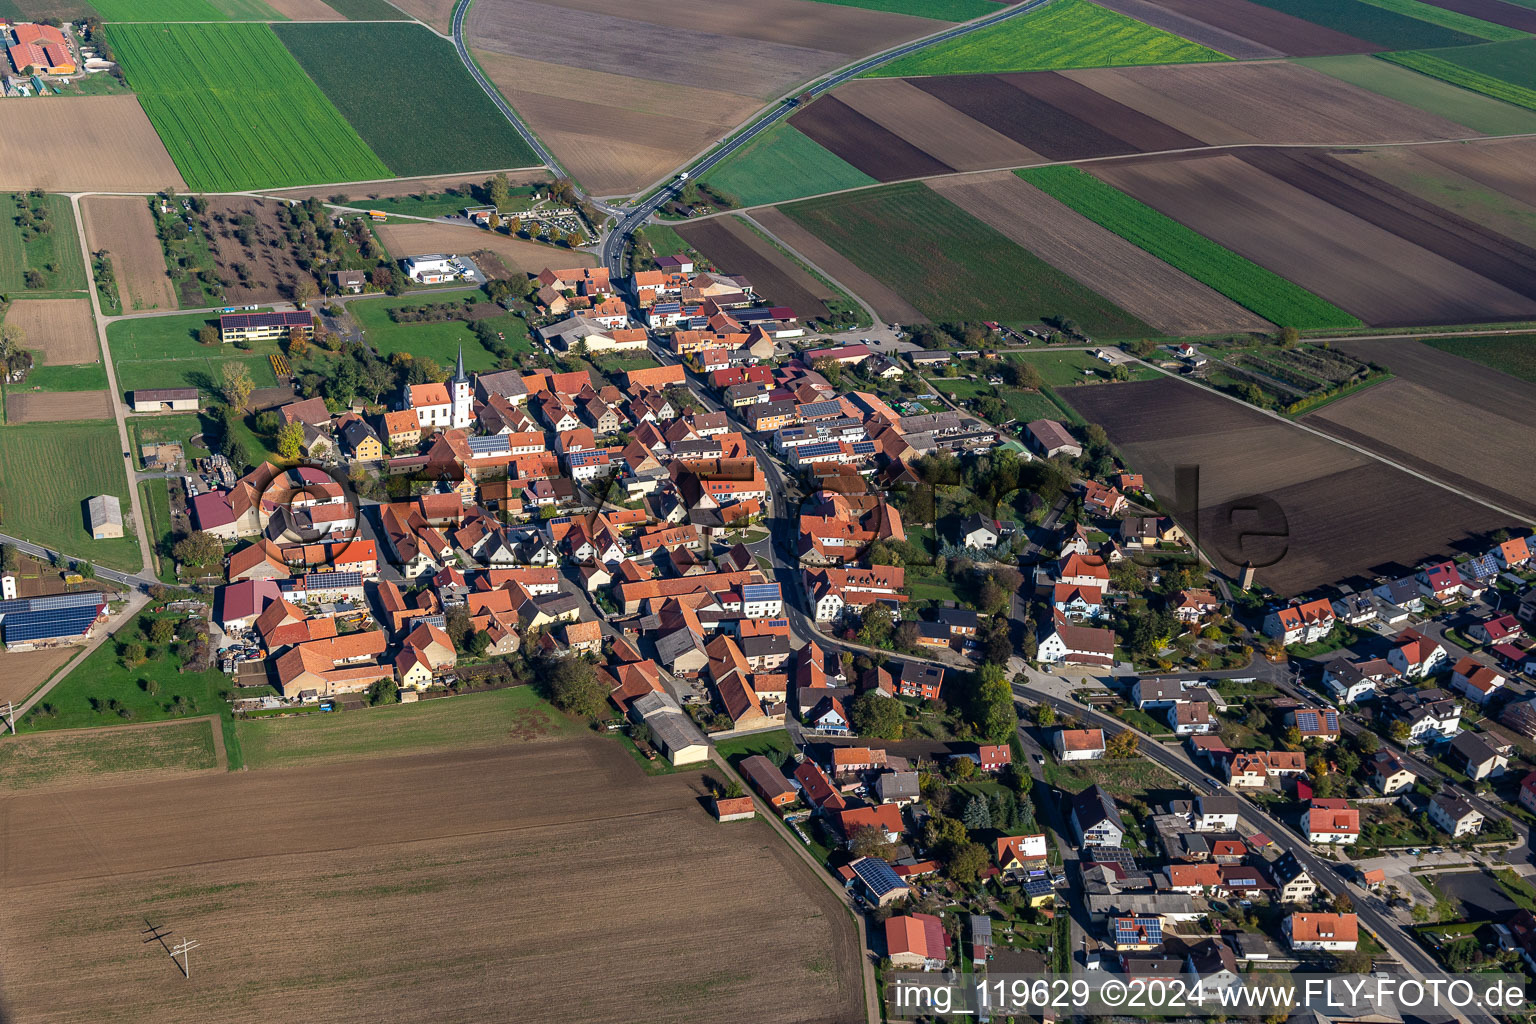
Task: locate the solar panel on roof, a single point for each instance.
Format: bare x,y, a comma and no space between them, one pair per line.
878,876
44,625
1037,887
1138,931
332,580
761,592
863,447
820,448
76,600
489,445
821,408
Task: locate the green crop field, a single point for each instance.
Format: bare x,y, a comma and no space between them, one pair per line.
952,266
236,111
77,377
47,470
1381,24
1463,23
406,92
53,243
783,164
163,352
53,757
1475,110
1514,354
367,10
437,341
1065,34
1505,71
473,720
1241,280
185,10
944,10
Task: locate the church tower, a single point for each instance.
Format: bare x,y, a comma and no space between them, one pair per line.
462,394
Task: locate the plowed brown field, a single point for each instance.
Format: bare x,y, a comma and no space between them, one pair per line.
1378,276
546,882
735,248
83,143
1501,164
404,238
59,331
877,152
1346,515
1496,11
122,225
1128,276
890,306
1412,170
933,126
21,672
305,10
57,406
437,13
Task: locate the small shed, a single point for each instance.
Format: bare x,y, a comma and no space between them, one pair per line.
104,514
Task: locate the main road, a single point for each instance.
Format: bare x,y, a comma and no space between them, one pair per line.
630,220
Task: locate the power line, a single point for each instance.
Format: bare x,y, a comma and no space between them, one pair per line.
185,948
8,716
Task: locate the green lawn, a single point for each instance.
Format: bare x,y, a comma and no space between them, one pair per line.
178,427
163,352
185,10
1514,354
52,757
961,388
1064,34
47,470
473,720
428,204
378,75
54,253
1472,109
101,677
944,10
931,588
663,241
1505,71
1241,280
1061,368
781,164
155,496
236,111
1133,778
952,266
1028,405
1379,24
775,746
438,341
75,377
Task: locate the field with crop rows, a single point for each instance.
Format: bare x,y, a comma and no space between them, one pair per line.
236,111
782,163
1505,71
1371,21
1244,282
185,10
1065,34
1451,19
1514,354
373,74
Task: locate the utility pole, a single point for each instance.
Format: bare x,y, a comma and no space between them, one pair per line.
185,948
8,716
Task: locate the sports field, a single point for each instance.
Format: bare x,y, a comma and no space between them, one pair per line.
34,235
236,111
1505,71
47,471
374,75
185,10
950,265
163,352
1064,34
1464,106
1244,282
782,164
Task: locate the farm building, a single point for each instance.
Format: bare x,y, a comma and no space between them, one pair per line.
104,513
31,622
42,48
434,268
164,400
235,327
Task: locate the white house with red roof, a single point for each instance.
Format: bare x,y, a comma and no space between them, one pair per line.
1441,581
1513,553
1331,823
1416,655
1303,623
1476,681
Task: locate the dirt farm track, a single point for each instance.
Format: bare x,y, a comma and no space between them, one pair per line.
547,882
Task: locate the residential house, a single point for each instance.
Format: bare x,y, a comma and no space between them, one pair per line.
1215,813
1390,773
1441,581
1331,823
1528,792
1100,500
920,679
1482,756
1476,681
1294,884
1191,718
1357,680
1415,655
1079,744
979,533
1431,715
1332,933
1500,630
1314,723
1303,623
1067,644
1095,819
1451,812
1190,606
1256,769
899,788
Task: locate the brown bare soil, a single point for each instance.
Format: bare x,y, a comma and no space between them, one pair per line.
1522,18
122,225
1345,515
735,248
359,194
1268,102
1193,29
21,672
305,10
404,239
1286,33
1445,416
848,30
877,152
57,406
891,307
1411,169
615,134
1381,278
1500,164
437,13
1128,276
83,143
70,9
1079,105
59,331
554,878
933,126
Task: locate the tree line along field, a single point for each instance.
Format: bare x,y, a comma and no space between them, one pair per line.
1064,34
47,471
1243,281
38,237
407,94
1506,70
235,109
951,266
